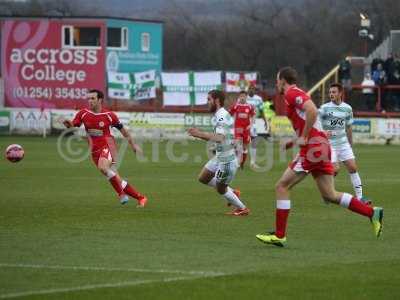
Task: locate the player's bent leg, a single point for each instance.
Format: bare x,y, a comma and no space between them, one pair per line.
232,198
222,188
351,165
288,180
134,193
104,165
130,190
326,187
283,204
224,175
206,176
231,195
355,179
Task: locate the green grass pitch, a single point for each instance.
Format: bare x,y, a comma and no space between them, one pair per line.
64,235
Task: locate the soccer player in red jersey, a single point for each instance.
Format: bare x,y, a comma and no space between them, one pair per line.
243,113
313,157
97,122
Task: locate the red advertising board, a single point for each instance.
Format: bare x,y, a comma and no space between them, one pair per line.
39,71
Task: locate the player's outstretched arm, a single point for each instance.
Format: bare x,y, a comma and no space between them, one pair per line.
207,136
68,123
125,133
76,122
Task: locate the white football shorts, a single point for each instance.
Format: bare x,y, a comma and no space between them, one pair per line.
342,153
253,131
224,171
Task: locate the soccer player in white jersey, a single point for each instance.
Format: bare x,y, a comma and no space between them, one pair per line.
221,169
258,104
337,118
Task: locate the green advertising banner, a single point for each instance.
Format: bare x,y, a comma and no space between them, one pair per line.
4,122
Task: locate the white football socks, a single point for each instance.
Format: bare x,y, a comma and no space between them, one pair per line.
356,181
230,196
233,199
345,200
253,153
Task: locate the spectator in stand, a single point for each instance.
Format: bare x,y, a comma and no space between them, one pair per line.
389,66
264,84
345,73
375,63
379,75
393,95
395,78
380,78
396,58
368,91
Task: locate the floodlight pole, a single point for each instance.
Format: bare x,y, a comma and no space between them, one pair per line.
363,33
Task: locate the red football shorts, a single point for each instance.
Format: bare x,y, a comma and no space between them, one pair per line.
242,134
314,159
104,152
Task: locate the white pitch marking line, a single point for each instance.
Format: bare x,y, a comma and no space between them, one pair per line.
385,179
99,286
82,268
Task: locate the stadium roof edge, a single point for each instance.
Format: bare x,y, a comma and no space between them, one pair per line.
81,17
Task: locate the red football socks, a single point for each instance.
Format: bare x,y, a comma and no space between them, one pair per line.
361,208
131,191
116,183
281,216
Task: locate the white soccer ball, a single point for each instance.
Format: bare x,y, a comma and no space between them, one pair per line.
14,153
